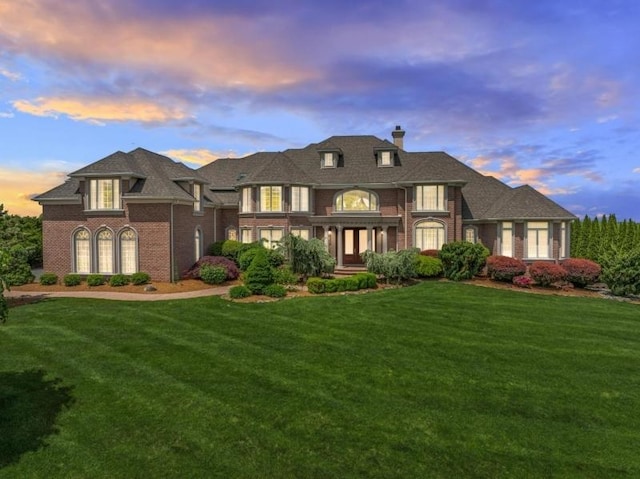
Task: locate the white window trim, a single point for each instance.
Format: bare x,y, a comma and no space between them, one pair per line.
121,268
301,207
197,195
198,250
98,256
269,242
341,194
535,230
95,188
242,235
74,249
501,231
332,163
271,187
245,200
441,197
417,226
294,229
475,233
382,160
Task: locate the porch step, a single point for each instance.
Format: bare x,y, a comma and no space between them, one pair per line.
349,270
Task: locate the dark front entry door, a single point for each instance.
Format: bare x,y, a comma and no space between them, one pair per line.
355,243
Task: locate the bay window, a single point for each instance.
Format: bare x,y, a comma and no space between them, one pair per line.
271,198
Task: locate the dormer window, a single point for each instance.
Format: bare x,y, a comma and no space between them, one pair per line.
385,158
104,194
329,159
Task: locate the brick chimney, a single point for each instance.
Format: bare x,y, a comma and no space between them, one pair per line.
398,137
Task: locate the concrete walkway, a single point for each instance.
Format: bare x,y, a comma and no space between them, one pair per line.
218,291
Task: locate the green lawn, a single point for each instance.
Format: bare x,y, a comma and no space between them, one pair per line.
435,380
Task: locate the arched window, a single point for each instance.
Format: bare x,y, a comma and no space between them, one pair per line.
128,252
197,237
429,234
82,251
356,200
105,251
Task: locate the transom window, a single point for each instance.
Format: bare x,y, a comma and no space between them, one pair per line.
429,235
431,198
356,200
299,198
271,236
537,239
104,194
271,198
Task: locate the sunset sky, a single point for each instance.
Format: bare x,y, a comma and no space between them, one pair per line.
544,92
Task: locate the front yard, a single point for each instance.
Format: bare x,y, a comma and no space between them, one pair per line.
435,380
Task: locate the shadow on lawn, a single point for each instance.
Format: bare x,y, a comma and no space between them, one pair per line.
29,406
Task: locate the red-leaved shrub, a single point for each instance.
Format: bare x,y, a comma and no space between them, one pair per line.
430,252
581,272
522,281
504,268
545,273
226,263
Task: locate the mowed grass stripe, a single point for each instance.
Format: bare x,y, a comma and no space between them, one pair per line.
437,380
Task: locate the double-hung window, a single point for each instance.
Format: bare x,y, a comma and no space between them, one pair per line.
245,201
299,198
104,194
431,198
271,198
537,239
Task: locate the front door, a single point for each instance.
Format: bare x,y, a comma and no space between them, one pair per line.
355,243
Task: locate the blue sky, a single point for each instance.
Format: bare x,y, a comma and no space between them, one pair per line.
545,93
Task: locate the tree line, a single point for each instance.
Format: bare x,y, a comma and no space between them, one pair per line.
595,238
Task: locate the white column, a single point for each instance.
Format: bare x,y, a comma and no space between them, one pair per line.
384,239
370,238
339,240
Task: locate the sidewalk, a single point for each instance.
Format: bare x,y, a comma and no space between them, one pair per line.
121,296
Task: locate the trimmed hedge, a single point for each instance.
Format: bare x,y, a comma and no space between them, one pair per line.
119,280
96,280
72,279
545,273
462,260
337,285
140,278
581,272
505,268
47,279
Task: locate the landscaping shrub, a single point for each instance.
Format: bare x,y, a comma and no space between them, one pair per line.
47,279
245,258
430,252
316,285
259,275
15,269
229,265
96,280
462,260
581,272
366,280
230,249
505,268
285,276
72,279
393,265
119,280
621,272
215,249
545,273
240,291
428,266
140,278
213,274
522,281
275,291
307,257
350,284
331,285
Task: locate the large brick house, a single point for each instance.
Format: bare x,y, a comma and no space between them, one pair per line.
141,211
